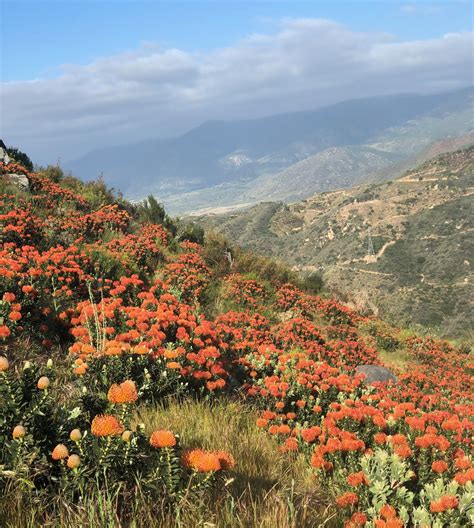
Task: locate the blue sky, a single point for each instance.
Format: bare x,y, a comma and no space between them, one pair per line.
79,75
47,34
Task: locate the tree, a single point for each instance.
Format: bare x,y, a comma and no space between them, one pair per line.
20,157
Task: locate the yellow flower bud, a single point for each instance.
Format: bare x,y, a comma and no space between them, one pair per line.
19,432
43,383
4,364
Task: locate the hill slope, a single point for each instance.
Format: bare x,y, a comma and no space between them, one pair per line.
223,163
421,227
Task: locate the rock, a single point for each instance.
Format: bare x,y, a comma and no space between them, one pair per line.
4,157
375,373
20,180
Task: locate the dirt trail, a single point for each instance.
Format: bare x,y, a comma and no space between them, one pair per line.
364,271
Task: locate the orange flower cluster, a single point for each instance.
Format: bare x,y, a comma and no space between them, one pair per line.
126,392
207,461
106,425
160,439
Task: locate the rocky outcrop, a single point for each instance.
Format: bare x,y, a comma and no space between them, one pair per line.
20,180
376,373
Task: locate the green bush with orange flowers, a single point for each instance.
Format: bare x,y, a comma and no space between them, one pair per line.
58,445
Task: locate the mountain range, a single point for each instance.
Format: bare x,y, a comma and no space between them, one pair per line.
402,249
282,157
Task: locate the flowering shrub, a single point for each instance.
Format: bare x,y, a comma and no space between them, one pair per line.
49,444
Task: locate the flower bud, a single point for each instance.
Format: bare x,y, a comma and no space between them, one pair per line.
127,436
43,383
4,364
27,365
75,435
19,432
60,452
49,363
73,462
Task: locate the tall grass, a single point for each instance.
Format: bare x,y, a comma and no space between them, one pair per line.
268,489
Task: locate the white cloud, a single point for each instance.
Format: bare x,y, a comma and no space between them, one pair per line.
153,92
421,9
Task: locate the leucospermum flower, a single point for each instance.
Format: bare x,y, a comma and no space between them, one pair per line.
43,383
200,460
60,452
106,425
18,432
347,499
161,438
126,392
75,435
73,462
4,364
226,460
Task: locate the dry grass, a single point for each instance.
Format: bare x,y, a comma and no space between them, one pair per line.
267,490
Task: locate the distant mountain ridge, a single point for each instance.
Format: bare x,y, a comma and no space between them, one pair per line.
225,163
421,226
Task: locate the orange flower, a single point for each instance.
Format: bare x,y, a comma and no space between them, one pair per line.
356,479
60,452
388,512
208,462
73,462
173,365
106,425
226,460
201,460
4,364
43,383
81,369
162,438
18,432
439,466
126,392
14,316
347,499
75,435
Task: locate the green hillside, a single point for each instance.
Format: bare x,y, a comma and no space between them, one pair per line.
421,229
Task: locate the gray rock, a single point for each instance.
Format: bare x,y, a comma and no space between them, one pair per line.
20,181
4,157
374,373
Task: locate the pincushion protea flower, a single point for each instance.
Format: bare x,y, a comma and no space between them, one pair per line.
126,392
201,460
18,432
162,439
4,364
226,459
73,462
75,435
43,383
60,452
106,425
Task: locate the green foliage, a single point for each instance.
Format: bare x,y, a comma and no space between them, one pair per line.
20,157
192,232
313,283
152,212
53,172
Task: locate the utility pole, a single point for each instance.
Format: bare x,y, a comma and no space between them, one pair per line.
370,245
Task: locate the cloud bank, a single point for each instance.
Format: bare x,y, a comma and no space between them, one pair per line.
154,92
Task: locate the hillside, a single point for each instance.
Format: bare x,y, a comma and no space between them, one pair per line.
284,157
146,379
421,227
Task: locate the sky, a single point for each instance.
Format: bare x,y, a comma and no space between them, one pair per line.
81,74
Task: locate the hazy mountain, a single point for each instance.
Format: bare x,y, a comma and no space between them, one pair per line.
421,229
240,160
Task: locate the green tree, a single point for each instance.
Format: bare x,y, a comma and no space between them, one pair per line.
20,157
